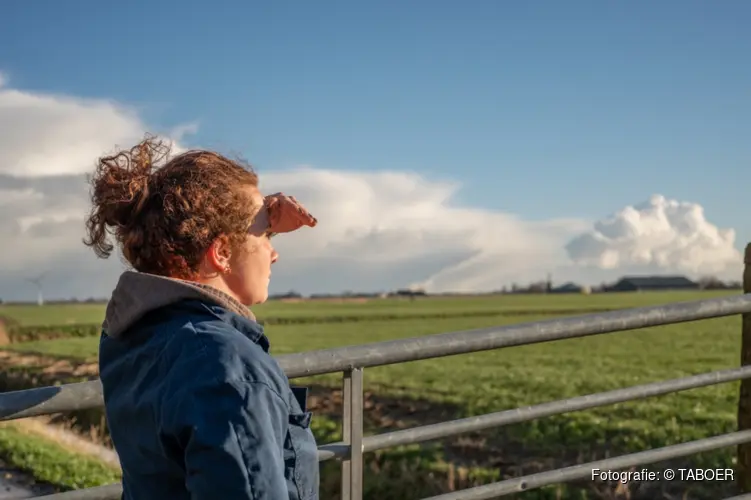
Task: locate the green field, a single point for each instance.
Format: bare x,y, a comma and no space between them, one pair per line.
32,315
433,390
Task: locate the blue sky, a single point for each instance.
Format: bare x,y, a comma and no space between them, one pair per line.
545,109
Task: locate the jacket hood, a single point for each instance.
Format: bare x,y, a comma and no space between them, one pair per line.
139,293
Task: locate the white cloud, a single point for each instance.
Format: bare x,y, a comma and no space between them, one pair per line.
45,134
387,219
659,234
377,230
12,197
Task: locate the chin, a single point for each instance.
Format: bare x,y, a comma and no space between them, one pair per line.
258,298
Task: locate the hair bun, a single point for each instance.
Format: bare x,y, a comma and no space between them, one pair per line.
121,185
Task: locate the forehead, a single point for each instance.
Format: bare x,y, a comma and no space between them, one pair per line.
255,195
259,214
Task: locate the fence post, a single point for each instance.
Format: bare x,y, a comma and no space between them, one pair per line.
744,398
352,431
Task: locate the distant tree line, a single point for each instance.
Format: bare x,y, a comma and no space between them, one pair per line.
541,286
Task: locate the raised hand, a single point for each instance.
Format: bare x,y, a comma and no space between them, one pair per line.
286,214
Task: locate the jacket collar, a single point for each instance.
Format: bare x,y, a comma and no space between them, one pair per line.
137,294
248,327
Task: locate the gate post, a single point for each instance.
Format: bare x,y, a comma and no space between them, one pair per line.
352,431
743,467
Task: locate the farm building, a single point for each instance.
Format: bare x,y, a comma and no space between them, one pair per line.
653,283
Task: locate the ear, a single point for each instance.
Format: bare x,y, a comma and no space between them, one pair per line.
219,253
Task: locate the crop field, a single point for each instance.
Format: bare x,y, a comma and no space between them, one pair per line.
429,391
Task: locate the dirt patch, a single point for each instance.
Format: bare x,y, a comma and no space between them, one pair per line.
4,338
15,484
502,449
54,368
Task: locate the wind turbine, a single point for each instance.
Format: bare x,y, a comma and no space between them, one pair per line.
38,282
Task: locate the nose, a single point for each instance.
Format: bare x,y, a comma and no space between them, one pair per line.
274,255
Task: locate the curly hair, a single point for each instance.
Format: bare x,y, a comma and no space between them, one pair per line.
164,218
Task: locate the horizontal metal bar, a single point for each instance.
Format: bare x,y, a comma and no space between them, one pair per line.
332,450
517,415
84,395
325,452
113,491
582,471
107,492
449,344
51,399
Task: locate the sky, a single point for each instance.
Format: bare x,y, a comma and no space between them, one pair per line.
444,145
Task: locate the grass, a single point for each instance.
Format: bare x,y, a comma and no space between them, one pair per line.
64,314
52,463
484,382
506,378
32,315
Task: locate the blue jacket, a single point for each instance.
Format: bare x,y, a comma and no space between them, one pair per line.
196,407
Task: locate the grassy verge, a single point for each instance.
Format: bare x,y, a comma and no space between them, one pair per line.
49,462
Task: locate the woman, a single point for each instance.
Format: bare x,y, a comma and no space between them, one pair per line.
196,406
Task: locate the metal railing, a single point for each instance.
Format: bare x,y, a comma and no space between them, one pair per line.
352,361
